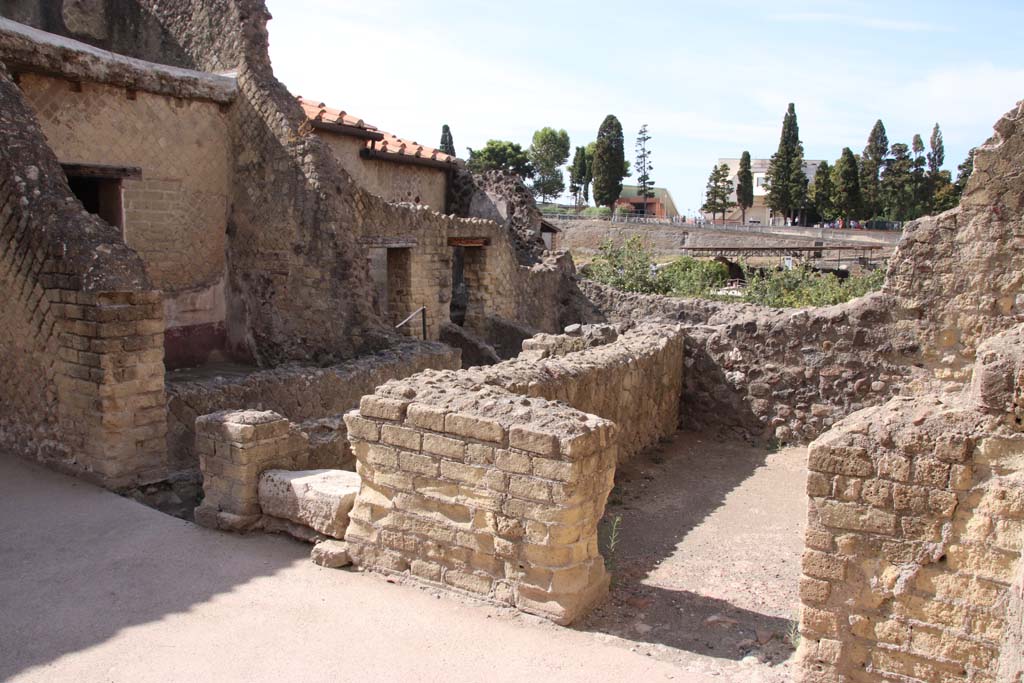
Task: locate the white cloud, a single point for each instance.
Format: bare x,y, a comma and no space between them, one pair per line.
861,21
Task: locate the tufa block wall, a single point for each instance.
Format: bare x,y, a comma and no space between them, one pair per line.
914,534
82,321
175,215
479,491
235,447
635,381
476,481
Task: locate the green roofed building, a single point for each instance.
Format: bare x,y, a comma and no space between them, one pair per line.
660,205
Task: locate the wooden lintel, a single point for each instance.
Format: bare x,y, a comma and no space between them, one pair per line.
468,242
101,171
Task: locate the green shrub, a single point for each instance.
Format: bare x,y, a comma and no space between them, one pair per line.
801,287
690,277
626,266
597,212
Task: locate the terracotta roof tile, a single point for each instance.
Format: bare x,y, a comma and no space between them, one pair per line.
391,144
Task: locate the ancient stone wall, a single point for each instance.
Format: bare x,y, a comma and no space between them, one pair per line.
313,396
486,481
175,214
389,180
82,320
635,381
770,373
480,491
915,531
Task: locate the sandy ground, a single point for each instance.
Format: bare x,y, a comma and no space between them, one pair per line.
95,587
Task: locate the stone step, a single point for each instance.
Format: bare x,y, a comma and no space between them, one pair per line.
318,499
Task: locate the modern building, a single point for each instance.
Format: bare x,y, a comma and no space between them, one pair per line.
760,213
661,205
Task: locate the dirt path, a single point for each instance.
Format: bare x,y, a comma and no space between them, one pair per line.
95,587
707,559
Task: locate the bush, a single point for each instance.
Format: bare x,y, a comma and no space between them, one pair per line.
627,266
597,212
802,287
690,277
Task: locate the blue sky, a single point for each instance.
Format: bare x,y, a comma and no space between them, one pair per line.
710,79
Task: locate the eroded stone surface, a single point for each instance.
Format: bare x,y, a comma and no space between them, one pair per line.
319,499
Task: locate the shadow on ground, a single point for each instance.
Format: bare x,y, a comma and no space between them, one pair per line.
707,553
79,564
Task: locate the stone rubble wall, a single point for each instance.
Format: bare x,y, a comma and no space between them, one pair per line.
915,528
481,491
82,321
759,373
313,396
576,338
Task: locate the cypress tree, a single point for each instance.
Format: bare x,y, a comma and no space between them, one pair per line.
744,186
821,191
924,189
898,184
717,193
846,197
937,156
872,162
964,171
609,164
447,143
786,180
578,176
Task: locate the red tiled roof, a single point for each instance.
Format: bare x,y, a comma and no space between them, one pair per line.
391,144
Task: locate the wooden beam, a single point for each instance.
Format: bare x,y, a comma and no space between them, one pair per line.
468,242
101,171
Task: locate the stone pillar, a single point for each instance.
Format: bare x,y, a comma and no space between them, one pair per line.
235,447
110,383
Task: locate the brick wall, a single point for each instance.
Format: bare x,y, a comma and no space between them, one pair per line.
484,493
915,531
175,215
391,181
82,320
476,481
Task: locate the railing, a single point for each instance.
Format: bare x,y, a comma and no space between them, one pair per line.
422,311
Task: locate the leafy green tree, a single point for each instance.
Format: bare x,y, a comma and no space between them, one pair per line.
447,144
871,164
898,191
744,186
945,195
718,192
549,151
786,180
579,177
500,155
820,192
846,198
645,185
964,171
609,163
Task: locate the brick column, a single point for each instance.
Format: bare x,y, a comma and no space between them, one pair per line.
110,383
235,447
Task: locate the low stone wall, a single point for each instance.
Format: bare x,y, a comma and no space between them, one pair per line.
313,396
914,536
761,373
478,490
635,382
487,481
